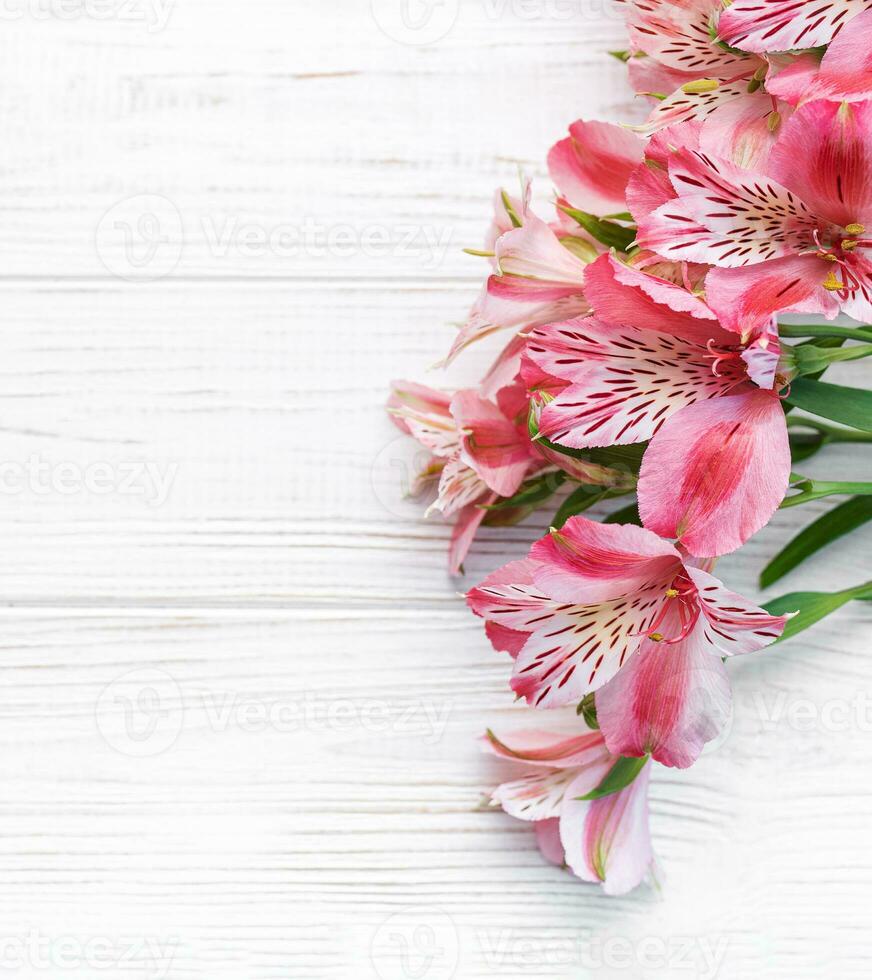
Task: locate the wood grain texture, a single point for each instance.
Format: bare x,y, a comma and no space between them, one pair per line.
240,698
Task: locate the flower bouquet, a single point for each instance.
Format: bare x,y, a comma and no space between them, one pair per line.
645,359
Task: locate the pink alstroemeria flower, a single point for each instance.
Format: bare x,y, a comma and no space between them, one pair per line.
606,840
593,601
786,25
684,63
654,364
538,277
792,237
478,452
591,167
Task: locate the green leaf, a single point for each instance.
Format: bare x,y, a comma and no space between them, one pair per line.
608,232
578,502
626,515
804,445
532,492
619,777
850,406
812,607
827,528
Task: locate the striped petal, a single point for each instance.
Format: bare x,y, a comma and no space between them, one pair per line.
731,623
625,382
678,34
785,25
576,649
726,216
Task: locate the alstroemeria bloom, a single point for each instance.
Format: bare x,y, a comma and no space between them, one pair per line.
792,237
605,840
539,277
786,25
696,75
654,364
591,167
577,611
480,453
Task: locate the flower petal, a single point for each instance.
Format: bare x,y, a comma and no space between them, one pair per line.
491,445
591,168
669,700
745,299
716,472
464,531
589,562
548,839
567,744
784,25
608,840
846,70
625,382
621,294
725,215
824,155
732,623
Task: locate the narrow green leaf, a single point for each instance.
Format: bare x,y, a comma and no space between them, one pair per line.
850,406
580,500
812,607
533,491
608,232
626,515
804,445
829,527
620,776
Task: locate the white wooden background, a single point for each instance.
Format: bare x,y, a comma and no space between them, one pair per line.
299,793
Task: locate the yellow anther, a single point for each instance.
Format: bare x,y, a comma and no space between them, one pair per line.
656,637
773,121
855,229
849,244
832,283
700,85
672,593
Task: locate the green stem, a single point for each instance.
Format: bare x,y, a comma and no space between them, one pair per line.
833,433
816,489
824,330
814,360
